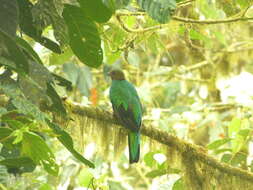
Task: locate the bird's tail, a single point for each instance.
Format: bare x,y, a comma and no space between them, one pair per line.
134,146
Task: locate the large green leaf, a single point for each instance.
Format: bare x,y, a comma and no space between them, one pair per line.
160,10
28,26
84,37
67,141
9,16
96,10
34,147
14,52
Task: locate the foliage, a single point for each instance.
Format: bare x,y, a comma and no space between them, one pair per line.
190,77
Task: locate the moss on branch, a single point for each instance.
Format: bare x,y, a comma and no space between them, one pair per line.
183,147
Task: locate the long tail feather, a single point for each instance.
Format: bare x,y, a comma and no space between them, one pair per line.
134,146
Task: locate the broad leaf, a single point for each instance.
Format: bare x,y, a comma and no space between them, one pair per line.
14,52
216,144
9,16
67,141
84,37
160,10
28,49
63,82
34,147
96,10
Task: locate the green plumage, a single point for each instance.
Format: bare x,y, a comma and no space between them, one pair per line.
127,108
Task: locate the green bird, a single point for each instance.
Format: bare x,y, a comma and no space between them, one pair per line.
127,108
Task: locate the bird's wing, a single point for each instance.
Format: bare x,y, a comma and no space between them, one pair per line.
127,117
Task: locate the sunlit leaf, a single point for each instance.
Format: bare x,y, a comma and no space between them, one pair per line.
156,173
36,148
216,144
179,185
85,178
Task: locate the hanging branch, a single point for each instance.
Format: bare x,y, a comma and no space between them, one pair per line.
185,148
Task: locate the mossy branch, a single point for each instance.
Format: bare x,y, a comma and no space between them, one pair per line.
185,148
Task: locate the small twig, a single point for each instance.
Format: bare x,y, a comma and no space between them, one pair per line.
176,18
246,10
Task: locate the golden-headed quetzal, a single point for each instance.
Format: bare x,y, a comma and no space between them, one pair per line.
127,108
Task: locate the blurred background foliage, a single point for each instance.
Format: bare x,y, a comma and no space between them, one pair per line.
194,79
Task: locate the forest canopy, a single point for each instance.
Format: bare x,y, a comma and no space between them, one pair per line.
190,62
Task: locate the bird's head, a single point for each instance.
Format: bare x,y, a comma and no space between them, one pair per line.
117,75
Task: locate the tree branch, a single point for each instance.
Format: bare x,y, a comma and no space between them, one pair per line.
176,18
167,139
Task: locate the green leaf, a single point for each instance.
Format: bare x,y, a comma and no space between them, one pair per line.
28,49
96,10
9,16
5,132
179,185
45,186
222,150
36,148
149,158
226,158
239,158
28,26
56,59
234,127
84,37
156,173
63,82
85,177
216,144
67,141
160,10
14,52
